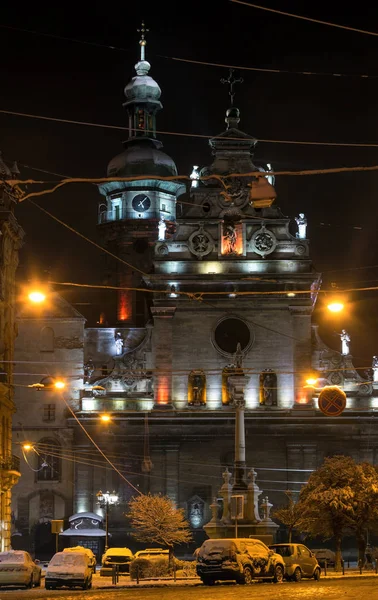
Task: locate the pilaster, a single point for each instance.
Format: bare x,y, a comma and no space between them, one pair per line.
162,359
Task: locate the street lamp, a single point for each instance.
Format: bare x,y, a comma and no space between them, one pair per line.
104,500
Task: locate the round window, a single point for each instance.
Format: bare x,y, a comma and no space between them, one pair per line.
229,332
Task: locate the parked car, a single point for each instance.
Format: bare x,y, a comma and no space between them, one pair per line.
18,568
299,561
70,569
238,559
88,552
323,555
120,557
152,553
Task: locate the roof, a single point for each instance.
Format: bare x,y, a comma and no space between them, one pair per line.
84,533
85,515
142,157
55,307
119,552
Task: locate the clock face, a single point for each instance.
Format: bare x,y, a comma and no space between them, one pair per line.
141,203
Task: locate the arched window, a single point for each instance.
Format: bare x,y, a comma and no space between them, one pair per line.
49,462
46,339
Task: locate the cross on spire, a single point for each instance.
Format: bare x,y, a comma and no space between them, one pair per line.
142,41
231,82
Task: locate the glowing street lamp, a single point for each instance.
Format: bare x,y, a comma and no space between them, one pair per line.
104,500
27,447
37,297
105,418
311,381
59,385
335,306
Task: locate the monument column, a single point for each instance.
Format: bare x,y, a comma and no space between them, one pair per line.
237,384
162,350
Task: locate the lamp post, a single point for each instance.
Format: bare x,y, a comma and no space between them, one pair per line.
104,500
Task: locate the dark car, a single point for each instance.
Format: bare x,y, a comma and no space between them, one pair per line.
324,555
299,561
238,559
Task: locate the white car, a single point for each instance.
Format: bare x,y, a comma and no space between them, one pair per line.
71,569
18,568
87,551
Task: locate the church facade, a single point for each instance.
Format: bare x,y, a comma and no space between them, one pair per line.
227,270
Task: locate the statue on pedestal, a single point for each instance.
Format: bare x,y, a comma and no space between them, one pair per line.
89,369
118,343
345,341
194,176
161,228
230,237
301,221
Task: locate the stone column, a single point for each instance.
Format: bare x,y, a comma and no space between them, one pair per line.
237,383
302,364
162,354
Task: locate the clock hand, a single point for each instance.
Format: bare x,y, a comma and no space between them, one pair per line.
141,202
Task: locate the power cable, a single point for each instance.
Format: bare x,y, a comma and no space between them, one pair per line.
266,70
190,135
295,16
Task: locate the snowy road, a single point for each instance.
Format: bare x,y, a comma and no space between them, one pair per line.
348,589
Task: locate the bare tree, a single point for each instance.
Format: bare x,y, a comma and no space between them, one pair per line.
157,520
289,515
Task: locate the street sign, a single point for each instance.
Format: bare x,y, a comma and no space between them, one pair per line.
57,526
332,400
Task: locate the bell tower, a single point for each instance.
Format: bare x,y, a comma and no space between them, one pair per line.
135,213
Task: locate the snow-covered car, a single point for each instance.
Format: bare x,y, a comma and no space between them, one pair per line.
299,561
69,569
120,557
88,552
152,553
18,568
238,559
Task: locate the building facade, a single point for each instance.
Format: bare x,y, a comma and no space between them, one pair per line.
11,239
225,269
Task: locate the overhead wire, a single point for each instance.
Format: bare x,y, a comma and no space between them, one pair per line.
190,135
303,18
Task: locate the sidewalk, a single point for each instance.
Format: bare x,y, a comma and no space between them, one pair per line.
126,582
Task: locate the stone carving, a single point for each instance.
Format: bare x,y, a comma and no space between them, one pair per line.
237,191
375,368
162,249
89,369
365,389
300,249
46,504
200,242
301,221
238,357
197,388
118,342
263,242
70,343
266,507
268,388
336,378
345,341
194,176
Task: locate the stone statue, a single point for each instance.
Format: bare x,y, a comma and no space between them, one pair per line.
238,357
194,176
375,368
197,388
88,370
118,343
268,388
301,221
161,228
230,237
345,340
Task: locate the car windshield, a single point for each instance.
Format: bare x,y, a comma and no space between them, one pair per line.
283,550
68,559
11,557
211,547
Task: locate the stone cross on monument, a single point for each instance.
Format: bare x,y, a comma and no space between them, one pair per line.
231,82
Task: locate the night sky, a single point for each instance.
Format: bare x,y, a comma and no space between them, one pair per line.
70,80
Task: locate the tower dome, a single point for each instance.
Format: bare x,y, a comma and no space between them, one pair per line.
142,88
142,157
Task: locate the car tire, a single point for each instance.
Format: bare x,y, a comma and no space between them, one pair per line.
247,576
297,576
317,574
38,582
207,581
278,574
30,584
